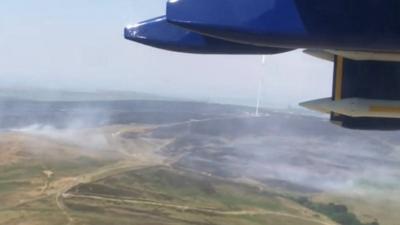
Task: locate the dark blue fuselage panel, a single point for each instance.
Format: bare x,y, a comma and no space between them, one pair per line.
161,34
367,25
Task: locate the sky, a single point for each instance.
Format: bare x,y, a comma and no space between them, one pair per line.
79,45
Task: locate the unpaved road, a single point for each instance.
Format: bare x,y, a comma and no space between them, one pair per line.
195,209
130,164
99,174
107,171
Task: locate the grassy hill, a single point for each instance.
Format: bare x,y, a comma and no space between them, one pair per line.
161,195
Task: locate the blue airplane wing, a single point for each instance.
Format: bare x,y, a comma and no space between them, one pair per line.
159,33
368,25
239,20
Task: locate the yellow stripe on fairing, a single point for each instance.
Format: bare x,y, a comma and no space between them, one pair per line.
385,109
339,78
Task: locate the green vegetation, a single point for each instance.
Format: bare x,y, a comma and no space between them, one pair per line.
169,186
338,213
161,195
43,211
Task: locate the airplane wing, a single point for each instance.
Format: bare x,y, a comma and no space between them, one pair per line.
158,32
361,38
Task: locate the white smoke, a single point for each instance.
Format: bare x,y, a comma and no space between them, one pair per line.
74,135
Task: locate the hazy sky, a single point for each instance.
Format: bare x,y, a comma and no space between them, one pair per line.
78,44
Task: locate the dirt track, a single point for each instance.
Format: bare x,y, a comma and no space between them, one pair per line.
194,209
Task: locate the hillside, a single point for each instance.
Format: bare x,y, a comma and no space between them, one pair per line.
185,163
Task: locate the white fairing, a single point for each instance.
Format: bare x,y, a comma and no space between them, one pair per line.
356,107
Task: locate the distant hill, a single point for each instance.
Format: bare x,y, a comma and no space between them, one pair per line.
61,114
37,94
